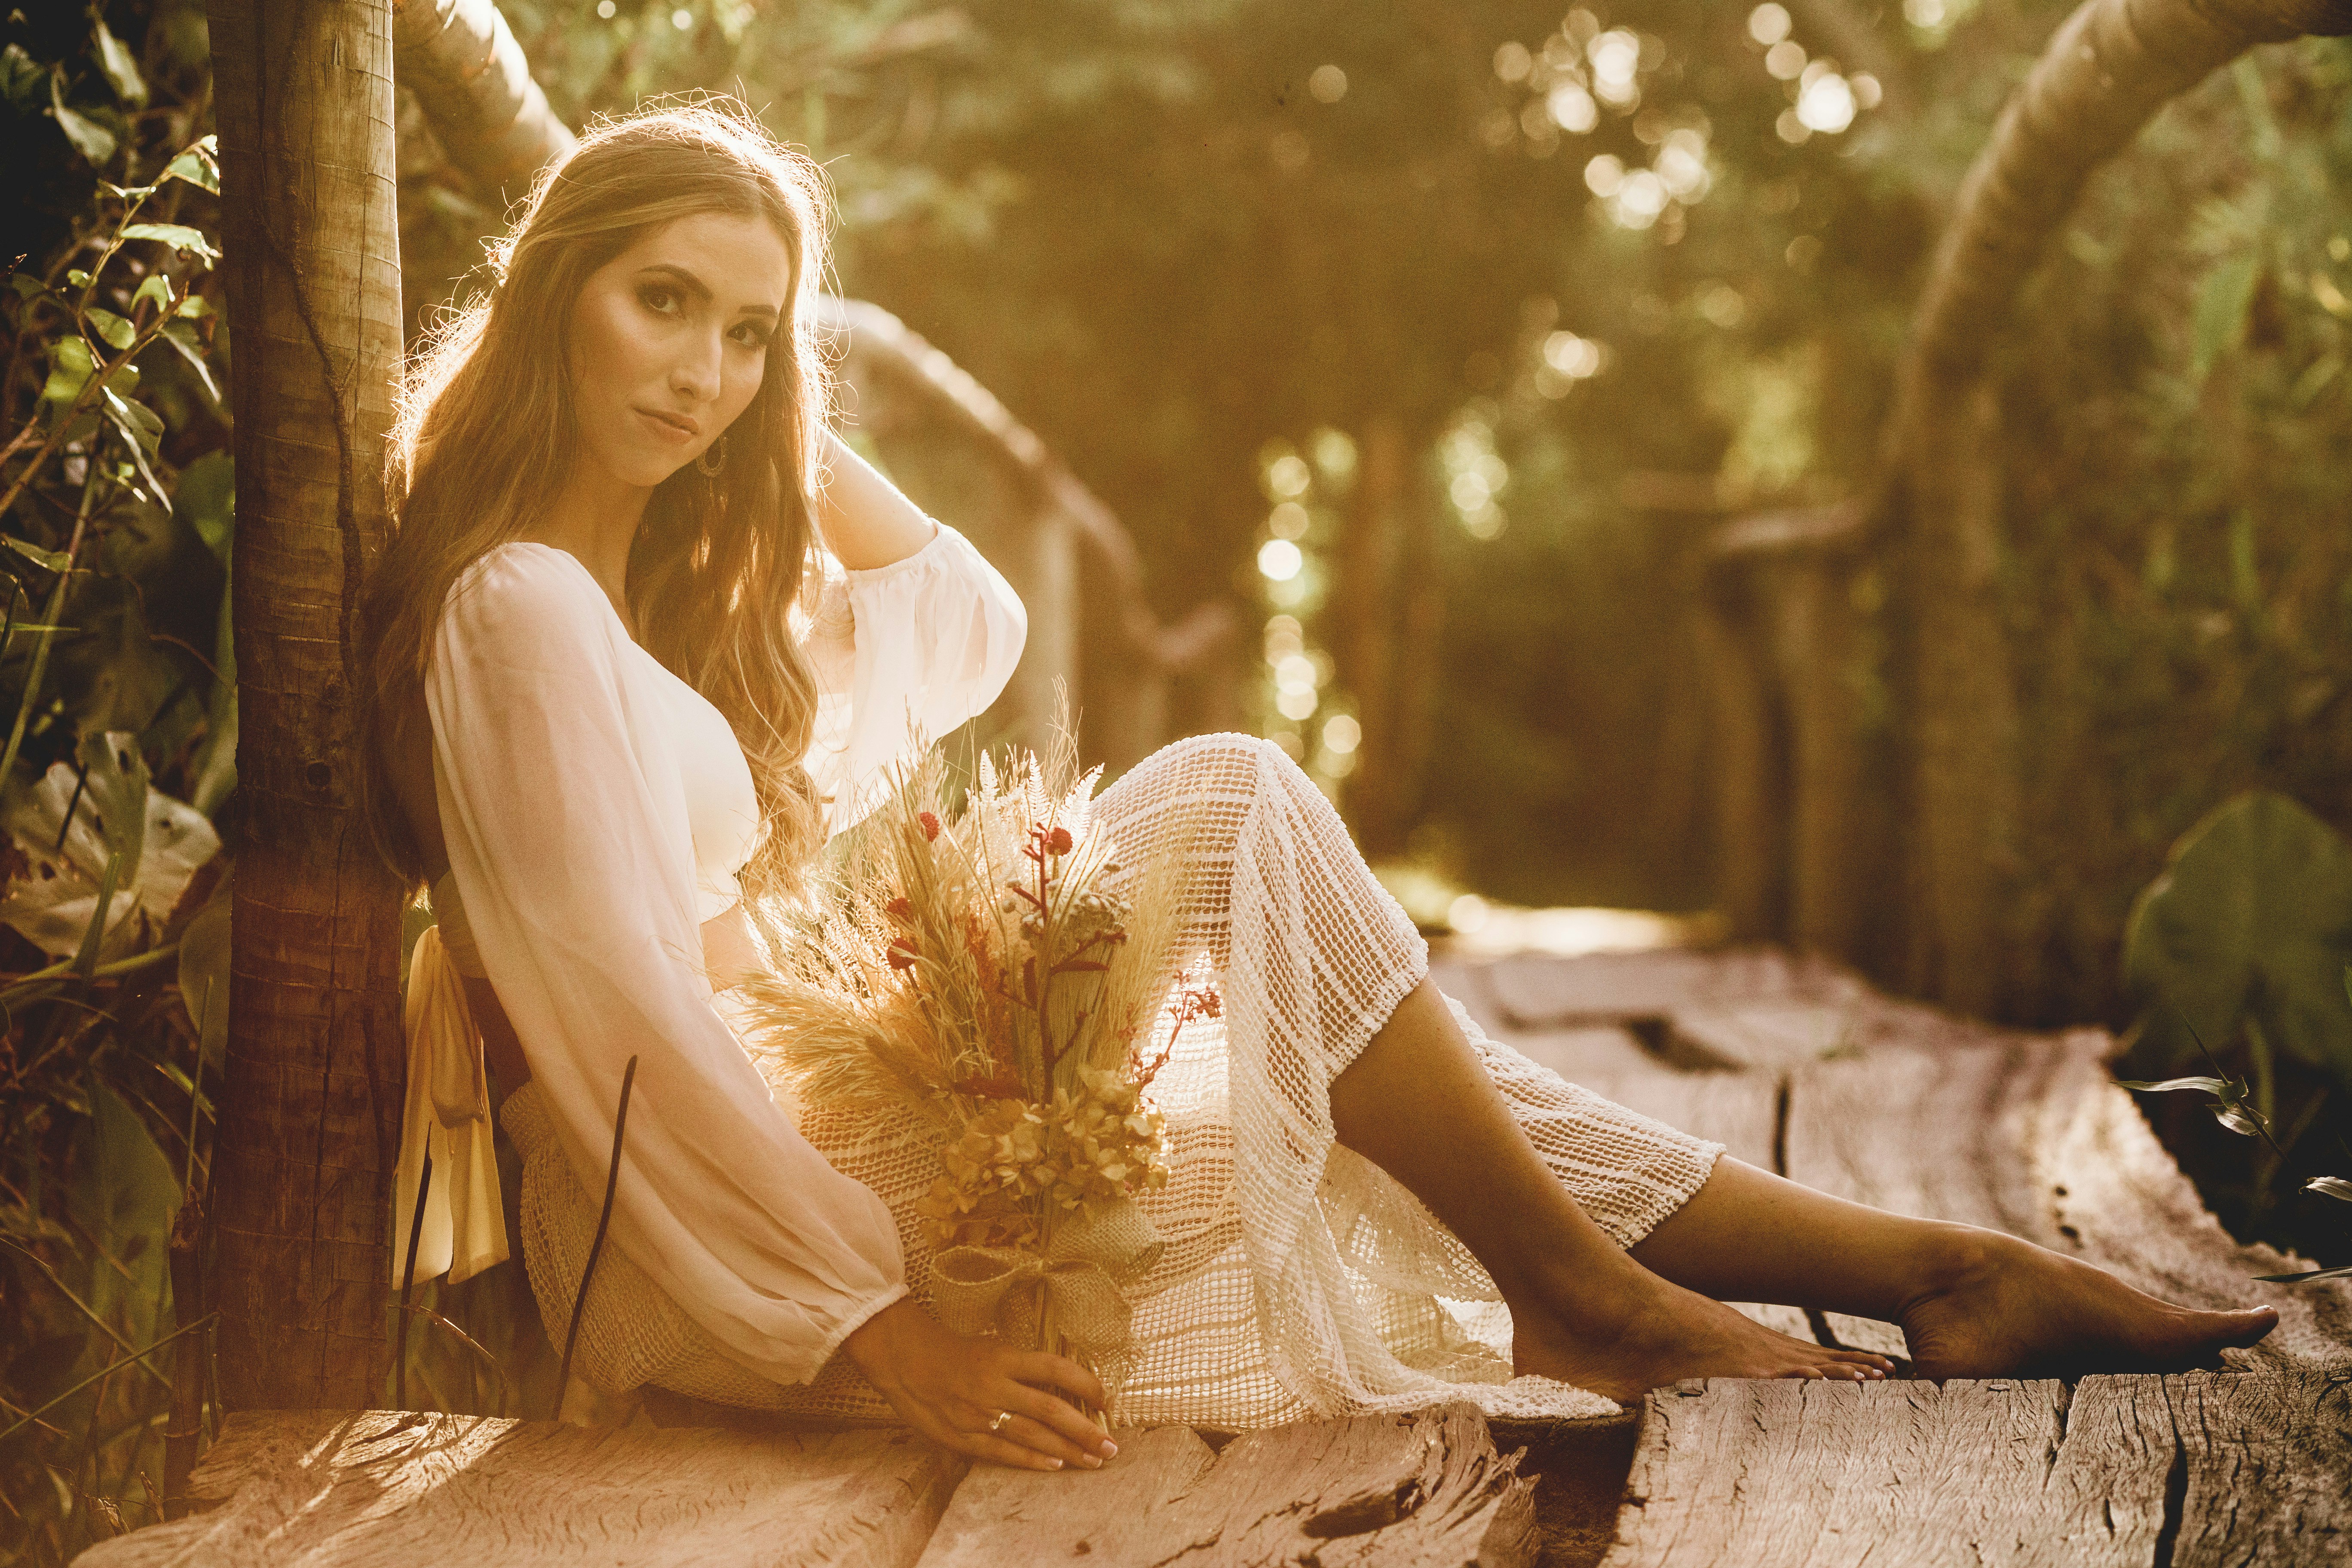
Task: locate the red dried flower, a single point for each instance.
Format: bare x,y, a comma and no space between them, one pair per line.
898,909
1059,841
901,954
931,826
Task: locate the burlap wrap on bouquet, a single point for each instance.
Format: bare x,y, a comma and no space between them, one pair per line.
1003,1290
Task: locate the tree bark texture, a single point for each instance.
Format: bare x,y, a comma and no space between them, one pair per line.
310,1116
470,77
2111,67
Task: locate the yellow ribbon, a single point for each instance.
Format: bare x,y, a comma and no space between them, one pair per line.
980,1289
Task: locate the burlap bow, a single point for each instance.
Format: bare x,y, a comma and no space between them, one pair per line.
975,1289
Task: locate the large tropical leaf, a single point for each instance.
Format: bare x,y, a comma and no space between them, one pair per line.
2252,918
160,840
123,1195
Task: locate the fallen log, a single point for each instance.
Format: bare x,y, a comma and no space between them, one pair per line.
2122,1472
1426,1491
383,1488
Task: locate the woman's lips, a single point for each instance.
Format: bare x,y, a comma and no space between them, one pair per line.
672,428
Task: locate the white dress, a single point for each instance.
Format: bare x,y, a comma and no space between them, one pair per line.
595,807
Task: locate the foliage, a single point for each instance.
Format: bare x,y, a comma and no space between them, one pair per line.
2239,956
114,515
2249,927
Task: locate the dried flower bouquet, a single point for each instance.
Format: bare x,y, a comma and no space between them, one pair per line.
1001,977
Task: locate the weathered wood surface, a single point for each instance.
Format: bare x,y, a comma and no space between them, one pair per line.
411,1491
2125,1472
1794,1067
1426,1491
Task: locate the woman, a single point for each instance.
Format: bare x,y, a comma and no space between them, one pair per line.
601,703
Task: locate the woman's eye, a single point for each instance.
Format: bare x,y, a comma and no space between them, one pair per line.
752,337
657,298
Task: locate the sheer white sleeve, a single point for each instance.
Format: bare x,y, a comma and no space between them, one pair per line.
920,645
567,830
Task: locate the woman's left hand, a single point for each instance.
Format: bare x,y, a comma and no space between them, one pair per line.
981,1396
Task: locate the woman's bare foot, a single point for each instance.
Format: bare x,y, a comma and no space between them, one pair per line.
1995,1306
1646,1332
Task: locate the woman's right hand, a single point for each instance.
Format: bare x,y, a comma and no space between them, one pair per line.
951,1389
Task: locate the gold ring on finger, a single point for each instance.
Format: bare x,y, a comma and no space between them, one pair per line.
1002,1417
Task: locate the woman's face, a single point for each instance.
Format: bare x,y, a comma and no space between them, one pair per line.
670,339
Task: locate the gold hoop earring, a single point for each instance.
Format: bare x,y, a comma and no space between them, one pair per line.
713,461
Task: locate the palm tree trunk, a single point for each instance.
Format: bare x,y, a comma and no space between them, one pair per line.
310,1114
470,77
2105,73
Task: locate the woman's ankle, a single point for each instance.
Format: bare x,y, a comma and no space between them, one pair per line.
1950,1257
1596,1303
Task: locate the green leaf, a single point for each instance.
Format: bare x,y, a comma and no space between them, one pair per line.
155,289
69,369
2251,919
93,935
136,420
178,236
145,431
121,71
2330,1187
204,972
207,499
115,786
198,165
27,287
2222,1087
2223,300
124,1194
2238,1119
91,140
183,337
194,308
20,78
52,560
113,330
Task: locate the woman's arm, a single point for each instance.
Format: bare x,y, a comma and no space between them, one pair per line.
864,521
567,832
913,646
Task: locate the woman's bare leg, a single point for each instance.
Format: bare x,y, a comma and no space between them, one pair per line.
1418,1102
1972,1302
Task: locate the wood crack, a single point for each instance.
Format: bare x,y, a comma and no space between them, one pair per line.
2176,1503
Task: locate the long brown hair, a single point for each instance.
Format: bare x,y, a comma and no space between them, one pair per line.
486,429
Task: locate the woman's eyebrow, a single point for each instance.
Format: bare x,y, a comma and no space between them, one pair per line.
701,291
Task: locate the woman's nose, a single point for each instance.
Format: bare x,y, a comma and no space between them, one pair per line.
697,373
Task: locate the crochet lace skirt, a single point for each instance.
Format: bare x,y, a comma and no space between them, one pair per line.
1297,1279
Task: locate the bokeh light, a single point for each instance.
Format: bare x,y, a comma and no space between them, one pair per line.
1279,560
1288,477
1572,109
1328,84
1826,103
1769,24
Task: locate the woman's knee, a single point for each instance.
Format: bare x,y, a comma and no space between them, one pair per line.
1206,764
